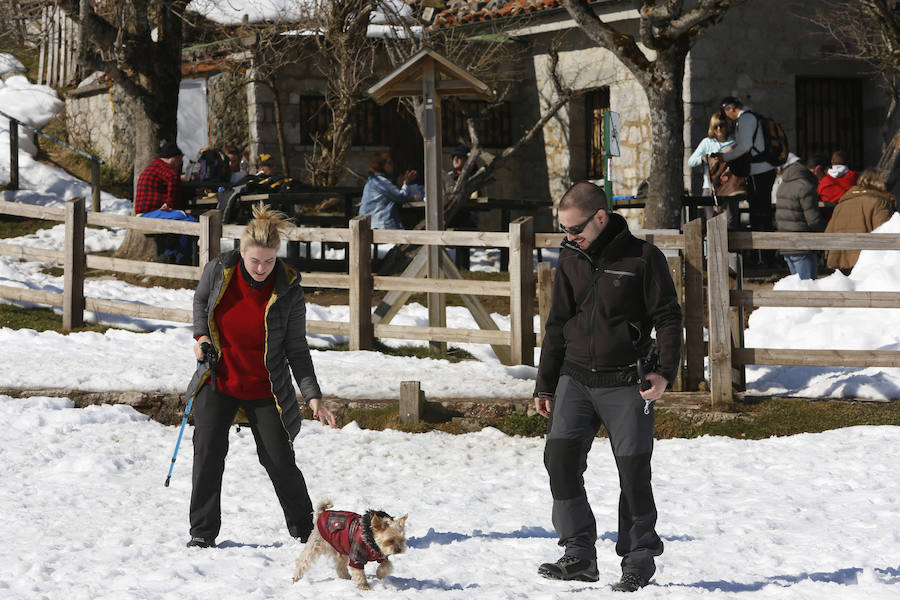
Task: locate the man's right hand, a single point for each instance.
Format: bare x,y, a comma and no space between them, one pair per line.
543,405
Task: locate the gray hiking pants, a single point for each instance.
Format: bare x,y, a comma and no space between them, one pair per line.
578,411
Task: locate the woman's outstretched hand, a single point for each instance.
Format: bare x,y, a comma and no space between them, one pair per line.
321,412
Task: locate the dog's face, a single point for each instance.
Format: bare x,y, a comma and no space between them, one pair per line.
390,534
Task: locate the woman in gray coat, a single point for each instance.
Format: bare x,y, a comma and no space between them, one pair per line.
249,308
797,210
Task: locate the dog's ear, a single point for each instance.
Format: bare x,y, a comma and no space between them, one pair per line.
378,523
402,520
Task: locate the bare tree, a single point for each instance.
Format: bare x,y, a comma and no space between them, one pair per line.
348,69
669,31
272,48
492,57
138,44
869,31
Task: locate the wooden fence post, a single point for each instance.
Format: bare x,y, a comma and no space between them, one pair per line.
210,242
360,268
719,309
412,402
676,270
95,186
74,265
544,294
13,155
521,290
693,304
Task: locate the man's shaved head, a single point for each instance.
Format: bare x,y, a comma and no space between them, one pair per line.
585,197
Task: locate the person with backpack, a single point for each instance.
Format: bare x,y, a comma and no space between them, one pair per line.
747,157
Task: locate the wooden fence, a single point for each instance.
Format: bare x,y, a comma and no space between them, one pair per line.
359,280
726,349
58,59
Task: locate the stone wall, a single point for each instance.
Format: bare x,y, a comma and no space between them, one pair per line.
99,119
758,58
227,98
584,69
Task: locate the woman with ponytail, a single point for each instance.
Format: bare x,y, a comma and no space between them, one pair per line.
249,308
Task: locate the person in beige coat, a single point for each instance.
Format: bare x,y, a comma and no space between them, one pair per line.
861,209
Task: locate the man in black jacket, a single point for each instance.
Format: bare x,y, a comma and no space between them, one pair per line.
611,289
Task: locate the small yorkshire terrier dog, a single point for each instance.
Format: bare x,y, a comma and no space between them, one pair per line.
353,539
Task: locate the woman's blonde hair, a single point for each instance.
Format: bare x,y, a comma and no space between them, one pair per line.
265,229
714,120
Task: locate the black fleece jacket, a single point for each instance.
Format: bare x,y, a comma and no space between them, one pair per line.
604,321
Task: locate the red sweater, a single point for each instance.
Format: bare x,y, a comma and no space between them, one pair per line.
831,189
158,184
240,319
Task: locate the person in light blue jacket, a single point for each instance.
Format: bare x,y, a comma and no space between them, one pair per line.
381,197
718,139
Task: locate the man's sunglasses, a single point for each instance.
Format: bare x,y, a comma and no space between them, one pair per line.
576,229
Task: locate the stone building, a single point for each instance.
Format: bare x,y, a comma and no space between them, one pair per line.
765,52
778,66
213,112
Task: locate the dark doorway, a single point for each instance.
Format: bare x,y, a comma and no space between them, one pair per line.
829,118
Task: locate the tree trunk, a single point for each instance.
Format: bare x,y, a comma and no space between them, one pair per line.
889,162
666,181
146,142
136,245
279,128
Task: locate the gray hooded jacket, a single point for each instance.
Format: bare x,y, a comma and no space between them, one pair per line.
285,334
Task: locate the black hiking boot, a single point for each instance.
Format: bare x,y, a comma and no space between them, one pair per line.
630,582
201,542
570,568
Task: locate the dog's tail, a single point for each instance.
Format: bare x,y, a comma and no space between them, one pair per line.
323,505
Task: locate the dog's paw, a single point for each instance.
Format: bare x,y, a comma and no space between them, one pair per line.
385,568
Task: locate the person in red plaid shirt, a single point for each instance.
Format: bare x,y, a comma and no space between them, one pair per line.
158,186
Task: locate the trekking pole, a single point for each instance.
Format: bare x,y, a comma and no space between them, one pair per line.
187,411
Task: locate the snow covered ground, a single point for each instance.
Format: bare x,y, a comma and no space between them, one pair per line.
86,515
162,361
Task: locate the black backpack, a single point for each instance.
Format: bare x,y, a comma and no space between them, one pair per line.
775,142
213,166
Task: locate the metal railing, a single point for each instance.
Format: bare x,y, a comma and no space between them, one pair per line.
96,161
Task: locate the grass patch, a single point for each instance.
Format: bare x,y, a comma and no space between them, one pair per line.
147,281
39,319
757,419
13,227
453,355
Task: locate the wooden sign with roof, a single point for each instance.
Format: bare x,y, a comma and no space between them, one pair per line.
430,76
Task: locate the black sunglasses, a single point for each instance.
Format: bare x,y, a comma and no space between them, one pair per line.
576,229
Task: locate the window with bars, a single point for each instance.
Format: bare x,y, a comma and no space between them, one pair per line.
369,123
829,118
596,103
492,123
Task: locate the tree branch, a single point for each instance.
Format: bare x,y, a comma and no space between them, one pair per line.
622,45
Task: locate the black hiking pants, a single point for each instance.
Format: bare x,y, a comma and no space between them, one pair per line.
214,413
577,413
759,197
